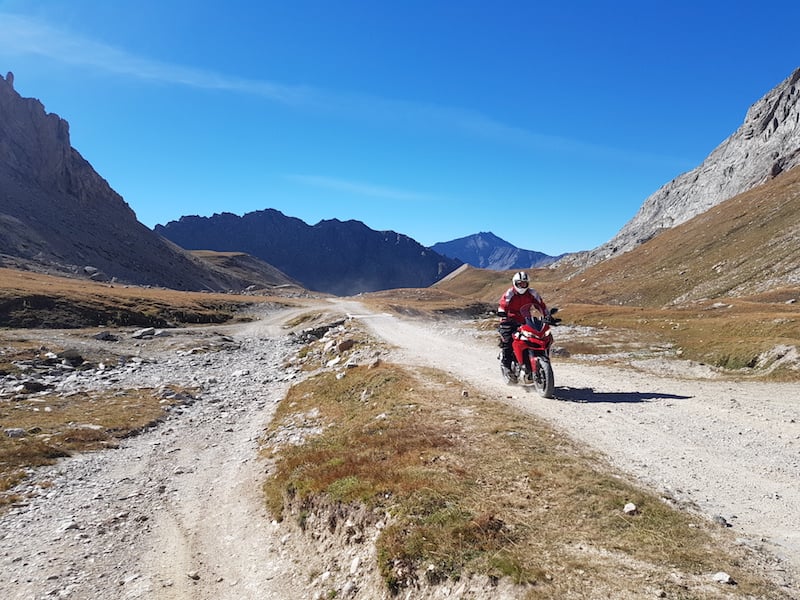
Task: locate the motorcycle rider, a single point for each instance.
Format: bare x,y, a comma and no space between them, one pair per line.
515,304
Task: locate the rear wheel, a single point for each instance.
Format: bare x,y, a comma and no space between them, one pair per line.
543,377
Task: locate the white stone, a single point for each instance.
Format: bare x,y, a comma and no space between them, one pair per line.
356,562
723,577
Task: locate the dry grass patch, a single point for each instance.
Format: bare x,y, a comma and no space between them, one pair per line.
14,350
425,302
736,335
472,486
34,300
40,429
486,285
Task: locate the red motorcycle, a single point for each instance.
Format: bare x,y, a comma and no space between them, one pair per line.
531,345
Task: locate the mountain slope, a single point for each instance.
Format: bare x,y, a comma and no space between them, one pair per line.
249,268
746,245
766,144
336,257
58,214
487,251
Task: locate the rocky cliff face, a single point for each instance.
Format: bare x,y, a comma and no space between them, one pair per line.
35,153
332,256
767,143
58,215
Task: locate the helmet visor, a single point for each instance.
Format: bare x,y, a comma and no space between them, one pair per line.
521,284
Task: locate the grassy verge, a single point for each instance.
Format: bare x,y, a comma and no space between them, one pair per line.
473,487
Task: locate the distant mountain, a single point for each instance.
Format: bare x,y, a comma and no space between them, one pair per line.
487,251
58,215
767,144
333,256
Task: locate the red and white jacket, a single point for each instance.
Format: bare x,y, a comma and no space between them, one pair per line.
518,306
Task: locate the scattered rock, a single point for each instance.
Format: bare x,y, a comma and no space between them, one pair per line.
721,521
97,522
144,333
105,336
71,357
723,577
32,386
345,345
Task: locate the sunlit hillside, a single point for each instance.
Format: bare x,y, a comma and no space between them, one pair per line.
744,247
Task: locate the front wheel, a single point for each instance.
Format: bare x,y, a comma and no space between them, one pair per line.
543,377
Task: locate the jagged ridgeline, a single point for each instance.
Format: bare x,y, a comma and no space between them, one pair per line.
487,251
59,215
338,257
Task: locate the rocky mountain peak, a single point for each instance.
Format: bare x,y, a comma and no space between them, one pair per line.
35,145
59,215
765,145
487,251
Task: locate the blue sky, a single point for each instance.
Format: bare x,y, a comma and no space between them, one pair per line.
545,123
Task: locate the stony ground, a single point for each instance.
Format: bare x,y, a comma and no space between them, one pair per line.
175,513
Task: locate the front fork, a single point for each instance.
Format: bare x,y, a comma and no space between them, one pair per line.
526,358
530,362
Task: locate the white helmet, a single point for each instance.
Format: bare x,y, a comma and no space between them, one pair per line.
520,282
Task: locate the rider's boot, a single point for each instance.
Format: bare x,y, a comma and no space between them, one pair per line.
508,374
506,359
508,371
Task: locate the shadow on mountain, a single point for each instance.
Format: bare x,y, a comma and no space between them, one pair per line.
590,395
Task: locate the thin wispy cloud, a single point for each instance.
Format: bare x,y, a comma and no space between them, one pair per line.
360,188
22,35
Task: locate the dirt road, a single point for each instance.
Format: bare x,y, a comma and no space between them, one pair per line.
175,513
732,449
